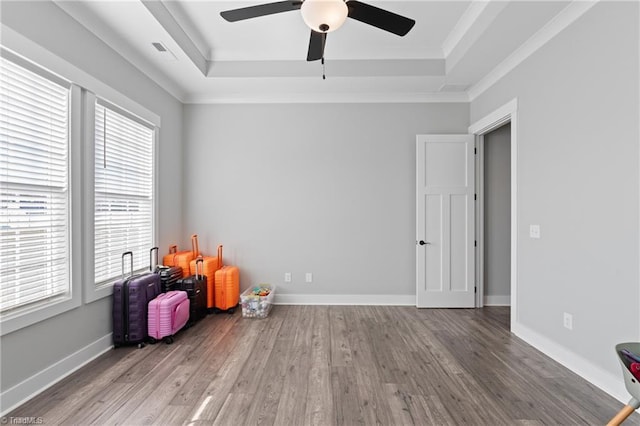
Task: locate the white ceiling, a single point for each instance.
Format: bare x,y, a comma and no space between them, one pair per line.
454,44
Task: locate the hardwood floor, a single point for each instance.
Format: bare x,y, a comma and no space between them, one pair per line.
327,365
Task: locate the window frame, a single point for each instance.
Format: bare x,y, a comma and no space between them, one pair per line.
91,291
83,85
38,311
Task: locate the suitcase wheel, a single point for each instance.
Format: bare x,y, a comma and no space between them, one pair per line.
152,340
231,311
168,340
140,345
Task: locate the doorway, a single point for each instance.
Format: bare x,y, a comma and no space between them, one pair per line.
433,279
496,225
507,113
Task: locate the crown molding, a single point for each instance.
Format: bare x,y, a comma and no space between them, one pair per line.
336,67
79,12
164,17
176,9
324,98
471,28
462,27
31,51
560,22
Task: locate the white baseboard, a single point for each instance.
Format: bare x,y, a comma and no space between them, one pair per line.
609,383
497,300
28,388
346,299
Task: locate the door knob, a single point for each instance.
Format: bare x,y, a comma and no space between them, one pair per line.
421,242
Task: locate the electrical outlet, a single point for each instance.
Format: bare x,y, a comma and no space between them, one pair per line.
568,321
308,277
534,231
287,277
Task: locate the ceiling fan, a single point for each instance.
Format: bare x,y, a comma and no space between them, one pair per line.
324,16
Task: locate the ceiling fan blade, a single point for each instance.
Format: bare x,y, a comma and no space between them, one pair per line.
379,18
316,46
260,10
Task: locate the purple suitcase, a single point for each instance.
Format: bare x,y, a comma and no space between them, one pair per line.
131,297
168,314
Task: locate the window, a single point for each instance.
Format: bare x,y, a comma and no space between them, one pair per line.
35,244
123,192
72,165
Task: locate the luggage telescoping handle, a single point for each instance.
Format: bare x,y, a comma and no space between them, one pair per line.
156,249
199,262
173,249
220,256
125,254
195,247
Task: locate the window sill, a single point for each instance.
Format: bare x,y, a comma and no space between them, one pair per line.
96,293
30,315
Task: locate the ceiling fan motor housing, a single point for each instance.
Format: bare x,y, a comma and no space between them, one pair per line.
324,15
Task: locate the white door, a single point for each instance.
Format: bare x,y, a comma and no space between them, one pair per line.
445,223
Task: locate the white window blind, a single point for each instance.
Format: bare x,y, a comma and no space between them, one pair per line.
34,188
123,193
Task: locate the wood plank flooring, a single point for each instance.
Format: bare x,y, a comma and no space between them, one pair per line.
330,365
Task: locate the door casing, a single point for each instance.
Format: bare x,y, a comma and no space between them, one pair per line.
505,114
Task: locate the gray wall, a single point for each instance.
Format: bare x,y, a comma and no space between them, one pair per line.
29,350
578,177
327,189
497,213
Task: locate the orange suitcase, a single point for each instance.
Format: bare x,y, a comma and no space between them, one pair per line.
227,287
210,265
167,259
180,258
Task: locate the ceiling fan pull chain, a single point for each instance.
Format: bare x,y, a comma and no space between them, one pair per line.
324,77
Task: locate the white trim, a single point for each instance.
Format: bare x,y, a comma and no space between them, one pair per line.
561,21
32,386
346,299
638,304
494,119
33,52
29,315
608,382
462,27
168,22
480,301
91,294
320,98
77,10
507,113
497,300
156,188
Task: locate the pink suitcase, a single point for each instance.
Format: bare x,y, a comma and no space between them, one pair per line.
168,313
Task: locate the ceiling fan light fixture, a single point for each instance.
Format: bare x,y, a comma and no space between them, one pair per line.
324,16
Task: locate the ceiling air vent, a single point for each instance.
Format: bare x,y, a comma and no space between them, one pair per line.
163,52
159,47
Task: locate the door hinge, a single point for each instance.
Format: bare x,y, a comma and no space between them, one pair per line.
475,151
475,289
475,196
475,243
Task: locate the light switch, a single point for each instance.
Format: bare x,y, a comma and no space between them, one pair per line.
534,231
